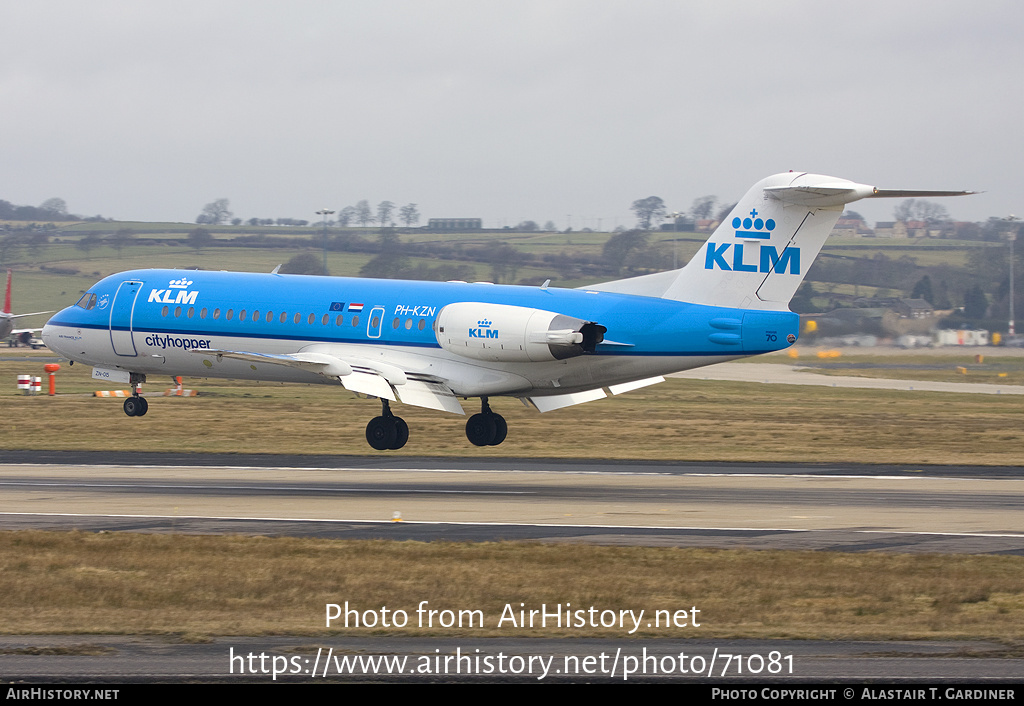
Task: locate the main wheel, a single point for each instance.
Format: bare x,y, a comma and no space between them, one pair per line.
381,433
481,429
401,432
143,407
500,429
132,406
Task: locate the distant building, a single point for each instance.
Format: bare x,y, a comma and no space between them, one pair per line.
890,229
915,309
455,224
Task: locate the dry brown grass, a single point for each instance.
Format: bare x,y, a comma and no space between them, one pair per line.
134,583
676,420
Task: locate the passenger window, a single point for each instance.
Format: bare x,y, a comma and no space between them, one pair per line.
216,314
355,320
230,314
396,322
339,321
408,324
241,315
177,311
422,325
325,318
298,317
256,316
202,313
311,319
191,311
270,316
284,317
164,311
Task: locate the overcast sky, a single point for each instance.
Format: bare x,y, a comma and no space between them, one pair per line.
558,110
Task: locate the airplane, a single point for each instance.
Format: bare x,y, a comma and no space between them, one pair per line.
7,318
428,344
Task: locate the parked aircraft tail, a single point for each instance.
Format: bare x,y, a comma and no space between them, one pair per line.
759,255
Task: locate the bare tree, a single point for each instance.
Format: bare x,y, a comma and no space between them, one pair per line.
215,213
384,211
364,215
647,210
409,214
346,216
55,205
703,207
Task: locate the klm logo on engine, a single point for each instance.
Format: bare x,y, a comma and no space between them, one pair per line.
758,257
176,293
483,330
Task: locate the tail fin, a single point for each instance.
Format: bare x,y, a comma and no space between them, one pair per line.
7,297
760,254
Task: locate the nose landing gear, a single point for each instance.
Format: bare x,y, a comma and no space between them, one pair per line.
136,405
387,432
487,428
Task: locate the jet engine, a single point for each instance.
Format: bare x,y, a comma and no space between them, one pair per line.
515,334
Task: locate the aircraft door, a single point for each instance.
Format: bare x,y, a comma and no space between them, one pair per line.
376,320
121,314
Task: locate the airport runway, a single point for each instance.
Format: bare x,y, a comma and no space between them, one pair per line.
784,506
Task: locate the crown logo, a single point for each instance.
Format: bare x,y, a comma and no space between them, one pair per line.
484,323
753,227
179,283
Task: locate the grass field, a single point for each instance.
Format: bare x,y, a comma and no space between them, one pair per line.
676,420
199,586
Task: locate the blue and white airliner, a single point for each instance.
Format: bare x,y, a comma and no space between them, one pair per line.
430,344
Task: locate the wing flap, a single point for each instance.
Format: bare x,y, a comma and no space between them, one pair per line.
368,384
547,403
429,394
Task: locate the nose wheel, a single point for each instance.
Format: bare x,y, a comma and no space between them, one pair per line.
387,432
487,428
136,405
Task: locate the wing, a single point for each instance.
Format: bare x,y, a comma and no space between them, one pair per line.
370,377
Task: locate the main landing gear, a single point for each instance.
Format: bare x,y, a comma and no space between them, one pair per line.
387,431
136,405
487,428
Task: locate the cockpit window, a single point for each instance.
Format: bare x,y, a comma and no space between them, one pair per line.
88,301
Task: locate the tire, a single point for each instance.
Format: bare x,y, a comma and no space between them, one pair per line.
131,406
500,429
401,433
143,407
481,429
381,433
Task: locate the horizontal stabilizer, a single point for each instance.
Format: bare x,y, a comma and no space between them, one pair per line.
820,195
906,194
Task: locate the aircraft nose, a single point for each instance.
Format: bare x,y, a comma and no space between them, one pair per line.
49,336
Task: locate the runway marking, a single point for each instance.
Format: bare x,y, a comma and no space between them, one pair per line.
623,528
370,469
162,486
